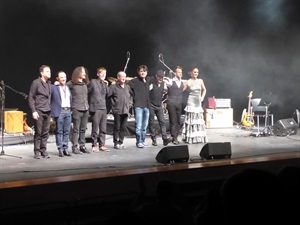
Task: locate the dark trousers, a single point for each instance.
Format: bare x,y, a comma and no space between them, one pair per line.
99,121
158,111
63,127
174,110
41,133
79,120
120,123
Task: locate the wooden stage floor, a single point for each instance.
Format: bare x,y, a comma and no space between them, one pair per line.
17,162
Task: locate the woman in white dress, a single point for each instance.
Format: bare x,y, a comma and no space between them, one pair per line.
194,130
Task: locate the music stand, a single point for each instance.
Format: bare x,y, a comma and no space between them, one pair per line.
266,101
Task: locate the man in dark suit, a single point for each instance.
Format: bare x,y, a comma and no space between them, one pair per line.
176,86
39,100
61,112
98,91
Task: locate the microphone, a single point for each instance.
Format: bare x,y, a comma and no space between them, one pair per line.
171,72
128,55
24,95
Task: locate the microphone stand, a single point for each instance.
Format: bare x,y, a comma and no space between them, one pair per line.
2,117
130,107
128,58
161,59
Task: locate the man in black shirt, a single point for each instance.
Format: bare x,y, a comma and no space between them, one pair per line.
78,86
119,95
157,89
140,91
98,90
39,99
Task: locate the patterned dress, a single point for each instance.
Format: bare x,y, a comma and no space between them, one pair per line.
194,130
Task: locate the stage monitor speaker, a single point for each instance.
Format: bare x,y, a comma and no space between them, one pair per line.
218,150
173,154
285,127
296,116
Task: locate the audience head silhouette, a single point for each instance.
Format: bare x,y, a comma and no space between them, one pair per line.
253,195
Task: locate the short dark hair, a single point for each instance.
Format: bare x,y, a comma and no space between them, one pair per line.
144,67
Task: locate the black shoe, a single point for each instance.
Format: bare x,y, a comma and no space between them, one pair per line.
154,143
60,153
46,155
83,149
166,141
175,141
76,151
66,152
37,156
153,138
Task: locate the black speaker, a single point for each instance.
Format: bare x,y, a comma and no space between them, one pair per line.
173,154
285,127
218,150
296,116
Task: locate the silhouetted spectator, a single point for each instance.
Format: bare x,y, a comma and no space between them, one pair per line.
126,217
209,211
253,195
289,178
163,210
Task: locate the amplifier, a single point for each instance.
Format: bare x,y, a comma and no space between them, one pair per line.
218,118
223,102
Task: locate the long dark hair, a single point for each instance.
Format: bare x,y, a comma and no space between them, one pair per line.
76,75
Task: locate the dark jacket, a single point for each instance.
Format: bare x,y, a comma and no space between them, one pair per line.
156,93
140,92
39,97
120,98
175,93
79,94
56,100
97,95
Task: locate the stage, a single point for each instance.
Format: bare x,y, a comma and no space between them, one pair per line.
16,139
91,188
18,163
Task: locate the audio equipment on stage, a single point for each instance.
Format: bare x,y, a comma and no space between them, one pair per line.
173,154
218,150
285,127
223,102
